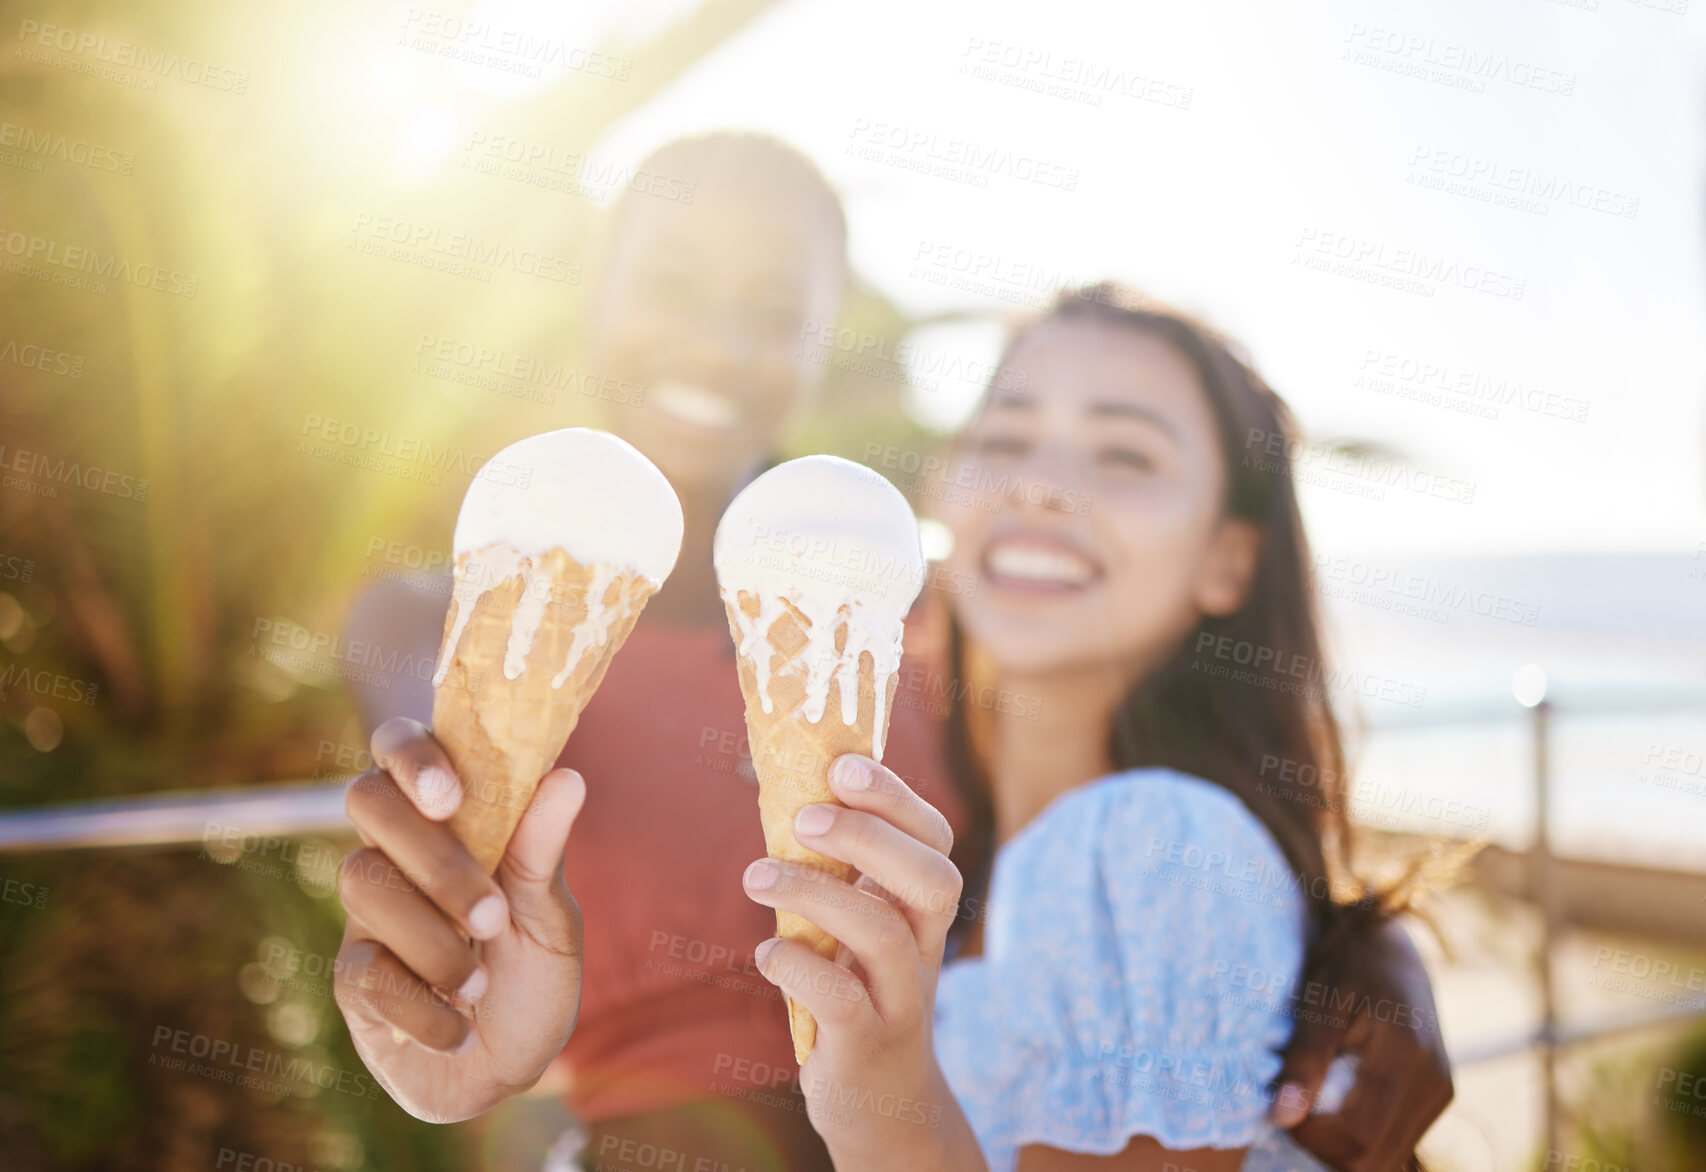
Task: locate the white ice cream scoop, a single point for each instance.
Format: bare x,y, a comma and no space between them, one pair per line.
838,543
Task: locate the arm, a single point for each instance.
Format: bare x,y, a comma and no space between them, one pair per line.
1403,1080
1141,1155
873,1088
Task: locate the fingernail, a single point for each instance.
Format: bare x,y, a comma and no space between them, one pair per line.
474,985
814,819
437,791
762,875
850,772
764,949
488,917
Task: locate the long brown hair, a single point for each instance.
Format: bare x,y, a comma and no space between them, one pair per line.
1274,743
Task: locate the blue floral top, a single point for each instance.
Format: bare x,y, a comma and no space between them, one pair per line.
1144,940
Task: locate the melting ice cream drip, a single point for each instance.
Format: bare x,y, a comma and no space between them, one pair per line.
594,630
819,662
483,570
486,569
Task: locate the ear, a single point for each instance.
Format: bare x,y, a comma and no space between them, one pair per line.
1229,568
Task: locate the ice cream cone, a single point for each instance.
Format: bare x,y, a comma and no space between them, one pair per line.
791,755
503,705
818,561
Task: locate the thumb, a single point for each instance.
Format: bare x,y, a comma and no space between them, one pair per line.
1309,1054
532,867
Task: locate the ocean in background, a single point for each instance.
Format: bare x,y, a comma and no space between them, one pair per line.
1425,651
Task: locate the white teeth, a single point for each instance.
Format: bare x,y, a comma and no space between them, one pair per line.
695,404
1034,564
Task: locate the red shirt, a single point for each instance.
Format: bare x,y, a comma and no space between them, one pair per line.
672,1006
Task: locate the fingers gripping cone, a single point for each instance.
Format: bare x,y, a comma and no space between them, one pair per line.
818,562
556,555
791,755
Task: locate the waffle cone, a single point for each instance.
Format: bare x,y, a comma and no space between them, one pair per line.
791,756
503,735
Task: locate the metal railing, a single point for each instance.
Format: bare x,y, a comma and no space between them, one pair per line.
310,808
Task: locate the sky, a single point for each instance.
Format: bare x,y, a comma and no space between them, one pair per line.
1468,233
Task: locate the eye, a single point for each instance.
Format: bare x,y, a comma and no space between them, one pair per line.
778,317
668,286
996,446
1125,460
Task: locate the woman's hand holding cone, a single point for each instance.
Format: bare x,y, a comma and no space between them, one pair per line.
458,987
875,1003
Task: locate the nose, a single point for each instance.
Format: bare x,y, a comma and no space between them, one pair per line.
718,343
1048,480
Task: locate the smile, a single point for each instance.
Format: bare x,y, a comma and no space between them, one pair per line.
1038,564
696,405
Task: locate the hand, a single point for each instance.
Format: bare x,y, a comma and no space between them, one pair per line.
458,987
872,1086
1386,1017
